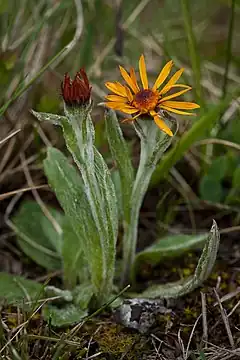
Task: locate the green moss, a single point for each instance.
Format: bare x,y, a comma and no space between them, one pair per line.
115,340
190,313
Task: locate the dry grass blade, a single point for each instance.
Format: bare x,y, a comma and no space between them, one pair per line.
10,136
191,336
139,8
11,193
77,35
225,320
38,198
215,352
21,327
234,309
180,342
228,296
218,141
204,316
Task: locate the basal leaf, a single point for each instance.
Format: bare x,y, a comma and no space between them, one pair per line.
69,190
17,290
82,295
37,236
74,261
63,316
211,189
169,247
218,168
202,271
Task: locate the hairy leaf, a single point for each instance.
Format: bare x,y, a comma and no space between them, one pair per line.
16,289
69,190
74,261
99,190
63,316
169,247
202,271
120,153
37,236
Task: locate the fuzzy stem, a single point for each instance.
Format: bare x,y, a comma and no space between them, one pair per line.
141,183
153,145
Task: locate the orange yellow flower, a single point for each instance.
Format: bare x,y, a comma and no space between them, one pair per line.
135,100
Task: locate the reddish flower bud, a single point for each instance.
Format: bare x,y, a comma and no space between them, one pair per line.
78,91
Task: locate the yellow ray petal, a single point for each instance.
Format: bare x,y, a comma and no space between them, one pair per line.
130,119
181,105
121,107
176,111
128,79
174,95
129,110
160,123
178,85
163,75
172,81
143,72
115,105
129,94
134,79
117,88
116,98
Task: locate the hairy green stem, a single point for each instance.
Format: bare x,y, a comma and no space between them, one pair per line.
140,187
153,145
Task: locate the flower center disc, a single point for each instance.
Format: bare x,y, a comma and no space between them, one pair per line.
145,100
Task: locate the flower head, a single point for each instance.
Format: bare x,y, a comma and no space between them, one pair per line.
78,91
135,100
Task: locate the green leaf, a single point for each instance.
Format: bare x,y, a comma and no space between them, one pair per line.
36,235
202,271
169,247
63,316
117,185
197,131
218,168
236,178
62,295
211,189
74,262
82,295
100,192
120,153
16,289
69,190
52,118
233,161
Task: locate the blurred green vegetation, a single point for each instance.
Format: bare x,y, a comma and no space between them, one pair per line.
201,36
